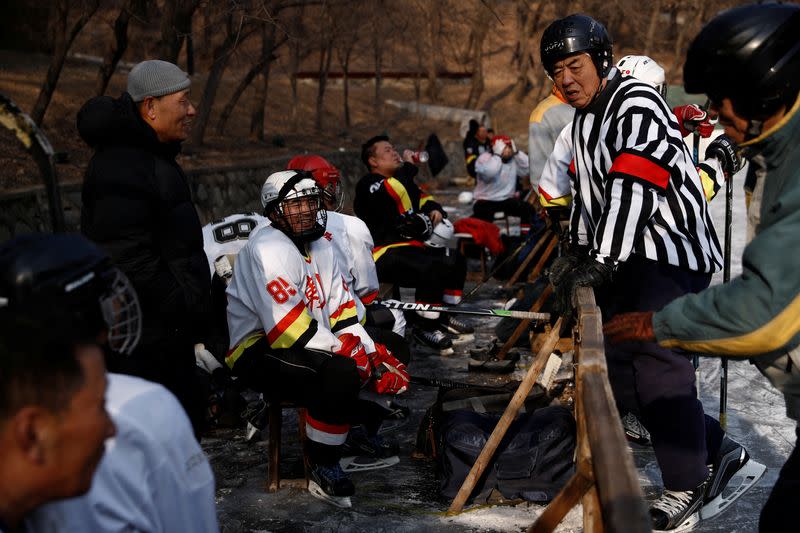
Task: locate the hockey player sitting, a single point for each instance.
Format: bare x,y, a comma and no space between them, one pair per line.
400,217
642,236
498,172
294,331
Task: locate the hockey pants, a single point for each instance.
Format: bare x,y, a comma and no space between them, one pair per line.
657,383
326,384
438,274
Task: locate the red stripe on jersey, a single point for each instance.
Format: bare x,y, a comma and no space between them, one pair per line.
342,308
335,429
571,168
642,168
542,192
396,197
285,322
369,297
453,292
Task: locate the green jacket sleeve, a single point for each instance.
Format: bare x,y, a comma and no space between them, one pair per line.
757,312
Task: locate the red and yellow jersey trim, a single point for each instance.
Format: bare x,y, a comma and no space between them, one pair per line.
346,310
290,327
548,201
369,297
424,199
378,251
399,194
236,352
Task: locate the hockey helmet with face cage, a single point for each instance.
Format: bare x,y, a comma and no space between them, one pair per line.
66,280
441,235
293,202
644,69
325,174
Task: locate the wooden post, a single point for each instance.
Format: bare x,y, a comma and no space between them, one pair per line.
505,421
545,256
275,420
523,324
547,235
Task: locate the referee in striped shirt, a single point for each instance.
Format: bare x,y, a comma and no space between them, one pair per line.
641,234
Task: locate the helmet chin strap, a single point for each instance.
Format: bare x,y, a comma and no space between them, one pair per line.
754,129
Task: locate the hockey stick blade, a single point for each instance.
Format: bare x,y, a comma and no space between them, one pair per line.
502,313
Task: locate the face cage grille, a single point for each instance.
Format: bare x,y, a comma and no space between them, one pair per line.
288,221
122,315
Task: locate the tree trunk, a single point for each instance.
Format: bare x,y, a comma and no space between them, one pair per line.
325,55
176,23
118,46
254,71
221,56
434,45
259,110
525,59
294,63
344,59
649,42
476,53
61,43
378,55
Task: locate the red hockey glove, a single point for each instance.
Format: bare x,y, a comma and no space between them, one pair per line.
630,327
691,118
391,376
351,347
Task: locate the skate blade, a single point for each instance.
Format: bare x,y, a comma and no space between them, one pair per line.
740,483
425,349
689,524
251,432
362,463
339,501
392,424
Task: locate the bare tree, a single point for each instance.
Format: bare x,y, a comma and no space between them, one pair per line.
326,37
259,108
118,45
345,43
481,21
62,40
237,28
176,24
528,18
380,34
297,52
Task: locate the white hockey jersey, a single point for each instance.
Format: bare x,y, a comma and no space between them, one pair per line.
352,243
292,299
497,181
555,185
153,477
226,236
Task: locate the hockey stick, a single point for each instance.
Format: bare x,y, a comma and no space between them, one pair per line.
696,157
433,381
503,313
726,277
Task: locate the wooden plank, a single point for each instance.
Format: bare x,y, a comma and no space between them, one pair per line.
546,237
523,324
505,421
564,501
534,275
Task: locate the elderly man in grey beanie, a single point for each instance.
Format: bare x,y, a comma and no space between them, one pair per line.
137,206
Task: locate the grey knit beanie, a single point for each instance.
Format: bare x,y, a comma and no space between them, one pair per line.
156,78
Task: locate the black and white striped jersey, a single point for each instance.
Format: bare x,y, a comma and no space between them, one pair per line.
636,188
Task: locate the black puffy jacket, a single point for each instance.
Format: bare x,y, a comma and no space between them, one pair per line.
137,206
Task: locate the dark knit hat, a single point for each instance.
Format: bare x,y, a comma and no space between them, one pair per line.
156,78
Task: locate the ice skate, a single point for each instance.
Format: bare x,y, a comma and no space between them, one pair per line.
731,475
364,452
677,511
331,484
463,332
433,341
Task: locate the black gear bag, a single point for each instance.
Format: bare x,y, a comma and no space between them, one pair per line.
533,461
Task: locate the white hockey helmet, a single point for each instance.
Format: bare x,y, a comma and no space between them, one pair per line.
280,195
441,235
465,197
644,69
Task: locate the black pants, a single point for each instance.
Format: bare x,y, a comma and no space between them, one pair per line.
327,385
432,271
779,514
485,210
656,383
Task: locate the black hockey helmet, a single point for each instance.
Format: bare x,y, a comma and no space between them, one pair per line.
750,54
64,280
573,34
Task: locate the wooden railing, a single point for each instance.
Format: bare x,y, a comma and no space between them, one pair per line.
605,478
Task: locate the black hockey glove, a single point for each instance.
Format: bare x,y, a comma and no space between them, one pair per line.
724,150
415,226
588,273
565,264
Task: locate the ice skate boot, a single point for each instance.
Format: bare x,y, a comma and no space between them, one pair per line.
463,331
434,341
331,484
677,511
731,475
368,452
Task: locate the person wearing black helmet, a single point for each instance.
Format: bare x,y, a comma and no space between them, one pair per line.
59,298
641,235
747,60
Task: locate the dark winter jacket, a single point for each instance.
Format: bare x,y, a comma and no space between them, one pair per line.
381,202
473,148
759,311
137,206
